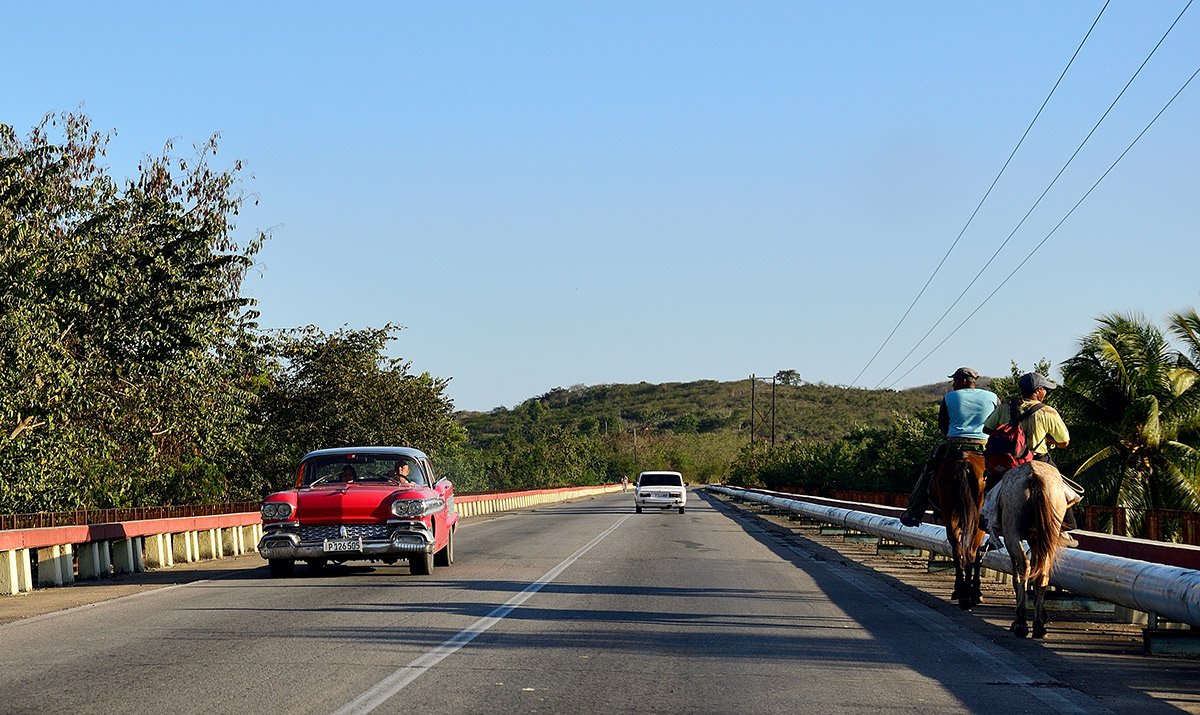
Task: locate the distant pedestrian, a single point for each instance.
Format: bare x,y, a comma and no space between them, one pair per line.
624,483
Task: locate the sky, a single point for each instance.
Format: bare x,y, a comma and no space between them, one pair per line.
547,194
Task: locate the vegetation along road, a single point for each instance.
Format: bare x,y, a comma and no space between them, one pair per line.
581,607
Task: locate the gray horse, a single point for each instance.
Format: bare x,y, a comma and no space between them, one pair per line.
1031,507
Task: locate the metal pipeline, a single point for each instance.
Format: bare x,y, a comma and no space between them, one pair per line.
1168,591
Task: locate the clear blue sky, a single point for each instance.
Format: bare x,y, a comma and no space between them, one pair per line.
555,193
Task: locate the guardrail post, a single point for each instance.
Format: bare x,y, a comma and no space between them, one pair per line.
181,547
229,542
122,556
158,553
16,574
90,565
206,545
55,565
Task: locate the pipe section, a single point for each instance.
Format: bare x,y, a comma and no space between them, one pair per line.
1169,591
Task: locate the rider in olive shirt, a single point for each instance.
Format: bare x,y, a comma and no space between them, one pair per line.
960,417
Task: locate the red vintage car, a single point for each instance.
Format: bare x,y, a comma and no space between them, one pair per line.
361,504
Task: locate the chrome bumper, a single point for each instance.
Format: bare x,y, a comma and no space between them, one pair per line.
405,540
679,500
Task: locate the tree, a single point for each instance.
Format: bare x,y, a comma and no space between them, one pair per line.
788,377
1128,396
338,390
127,360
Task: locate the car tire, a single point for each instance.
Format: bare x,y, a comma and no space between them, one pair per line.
445,557
281,568
638,509
681,510
421,564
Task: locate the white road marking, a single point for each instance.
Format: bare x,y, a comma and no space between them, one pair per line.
382,691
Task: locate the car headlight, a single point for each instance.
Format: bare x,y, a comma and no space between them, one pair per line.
412,508
276,510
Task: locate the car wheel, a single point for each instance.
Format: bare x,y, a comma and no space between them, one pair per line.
638,509
421,564
445,557
281,568
681,510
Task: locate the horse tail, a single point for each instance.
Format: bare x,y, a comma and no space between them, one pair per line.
1043,531
968,497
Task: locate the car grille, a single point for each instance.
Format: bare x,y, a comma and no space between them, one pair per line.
333,531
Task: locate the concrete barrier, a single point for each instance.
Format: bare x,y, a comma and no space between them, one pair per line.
92,551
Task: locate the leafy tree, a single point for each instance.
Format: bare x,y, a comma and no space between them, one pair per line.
124,341
337,390
1007,387
1129,396
788,377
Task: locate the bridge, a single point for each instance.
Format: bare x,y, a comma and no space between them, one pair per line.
579,605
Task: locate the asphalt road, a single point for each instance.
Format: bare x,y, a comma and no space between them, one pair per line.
582,607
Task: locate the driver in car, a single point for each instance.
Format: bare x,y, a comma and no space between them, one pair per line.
400,473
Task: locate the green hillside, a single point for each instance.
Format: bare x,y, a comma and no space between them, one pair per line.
802,412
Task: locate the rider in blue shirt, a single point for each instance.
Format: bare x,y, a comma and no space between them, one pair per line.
960,417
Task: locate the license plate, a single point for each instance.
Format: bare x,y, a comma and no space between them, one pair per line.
343,544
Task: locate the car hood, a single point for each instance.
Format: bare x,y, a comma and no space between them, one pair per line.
351,503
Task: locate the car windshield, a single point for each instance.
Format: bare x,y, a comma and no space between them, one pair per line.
357,467
660,480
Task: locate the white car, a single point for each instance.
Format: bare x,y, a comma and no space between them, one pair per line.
663,490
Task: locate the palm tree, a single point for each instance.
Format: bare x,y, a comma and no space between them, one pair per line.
1132,402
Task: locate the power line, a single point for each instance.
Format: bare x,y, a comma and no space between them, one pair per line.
1052,231
981,201
1036,203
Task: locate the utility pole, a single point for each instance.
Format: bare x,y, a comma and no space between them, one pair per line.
752,381
772,412
754,407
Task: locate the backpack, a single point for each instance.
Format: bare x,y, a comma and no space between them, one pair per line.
1006,445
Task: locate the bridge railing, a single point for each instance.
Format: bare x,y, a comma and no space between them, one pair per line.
1169,591
57,548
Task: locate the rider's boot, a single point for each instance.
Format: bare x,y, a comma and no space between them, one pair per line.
916,504
1069,524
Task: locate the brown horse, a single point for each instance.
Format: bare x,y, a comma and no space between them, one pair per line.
957,489
1032,504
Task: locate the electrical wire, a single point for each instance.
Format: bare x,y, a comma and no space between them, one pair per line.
981,201
1028,213
1051,233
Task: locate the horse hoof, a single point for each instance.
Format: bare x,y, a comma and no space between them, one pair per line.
1039,633
1020,630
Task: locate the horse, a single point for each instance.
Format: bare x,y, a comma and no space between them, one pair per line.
957,489
1031,506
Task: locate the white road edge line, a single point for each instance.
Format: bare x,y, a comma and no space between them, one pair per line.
382,691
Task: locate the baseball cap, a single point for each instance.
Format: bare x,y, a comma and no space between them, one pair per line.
1031,381
968,373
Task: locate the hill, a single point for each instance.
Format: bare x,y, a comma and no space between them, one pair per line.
802,412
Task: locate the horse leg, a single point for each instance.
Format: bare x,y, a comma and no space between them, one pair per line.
1040,617
962,591
976,589
1020,571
